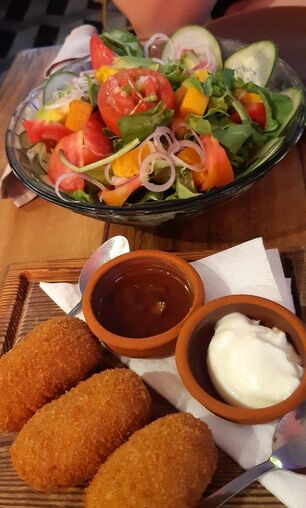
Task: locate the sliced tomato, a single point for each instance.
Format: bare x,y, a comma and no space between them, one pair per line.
72,147
41,130
100,54
132,91
96,144
119,195
235,117
218,168
256,112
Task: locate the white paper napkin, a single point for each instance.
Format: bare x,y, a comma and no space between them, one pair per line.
76,45
247,268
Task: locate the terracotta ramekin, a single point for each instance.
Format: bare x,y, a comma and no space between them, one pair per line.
157,345
194,339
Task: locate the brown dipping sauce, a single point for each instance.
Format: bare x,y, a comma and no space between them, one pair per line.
144,302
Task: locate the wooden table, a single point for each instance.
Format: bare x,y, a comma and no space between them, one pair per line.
274,208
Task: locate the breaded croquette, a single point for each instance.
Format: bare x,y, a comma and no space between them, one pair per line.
51,358
167,464
67,440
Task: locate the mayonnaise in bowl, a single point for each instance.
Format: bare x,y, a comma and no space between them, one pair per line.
251,365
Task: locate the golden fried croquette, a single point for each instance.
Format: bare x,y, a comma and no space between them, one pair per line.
52,358
167,464
66,441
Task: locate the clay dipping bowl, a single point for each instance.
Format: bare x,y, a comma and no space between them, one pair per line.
194,339
100,301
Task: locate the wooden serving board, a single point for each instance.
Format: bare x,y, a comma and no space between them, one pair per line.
23,305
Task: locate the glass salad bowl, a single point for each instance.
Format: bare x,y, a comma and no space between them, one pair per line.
153,213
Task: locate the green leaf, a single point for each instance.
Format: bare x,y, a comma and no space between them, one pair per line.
281,106
122,42
141,125
199,124
277,106
151,196
98,174
175,73
80,195
219,84
216,105
193,82
208,86
93,90
233,136
130,62
227,76
185,187
240,109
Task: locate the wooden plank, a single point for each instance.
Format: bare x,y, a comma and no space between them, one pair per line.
23,305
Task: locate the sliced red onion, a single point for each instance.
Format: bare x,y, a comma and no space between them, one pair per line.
207,63
158,134
118,180
179,52
64,176
146,168
158,60
201,65
197,137
189,144
151,148
107,176
153,38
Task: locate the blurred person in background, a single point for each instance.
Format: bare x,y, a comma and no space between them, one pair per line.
151,16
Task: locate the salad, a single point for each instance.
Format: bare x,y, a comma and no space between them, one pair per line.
167,120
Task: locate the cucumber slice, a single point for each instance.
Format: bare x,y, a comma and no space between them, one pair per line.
254,62
297,97
193,38
24,141
57,81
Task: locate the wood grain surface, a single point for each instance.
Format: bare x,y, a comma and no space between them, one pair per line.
23,305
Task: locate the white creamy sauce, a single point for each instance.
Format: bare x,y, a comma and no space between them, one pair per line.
252,365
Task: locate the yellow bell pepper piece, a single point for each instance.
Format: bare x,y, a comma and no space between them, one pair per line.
53,115
78,116
193,102
246,98
128,165
189,155
201,74
104,72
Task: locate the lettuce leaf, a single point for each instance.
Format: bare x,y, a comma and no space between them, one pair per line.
233,136
199,124
122,42
174,72
141,125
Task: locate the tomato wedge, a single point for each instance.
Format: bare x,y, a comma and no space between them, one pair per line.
80,148
41,130
218,169
132,91
256,112
72,148
100,54
96,144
